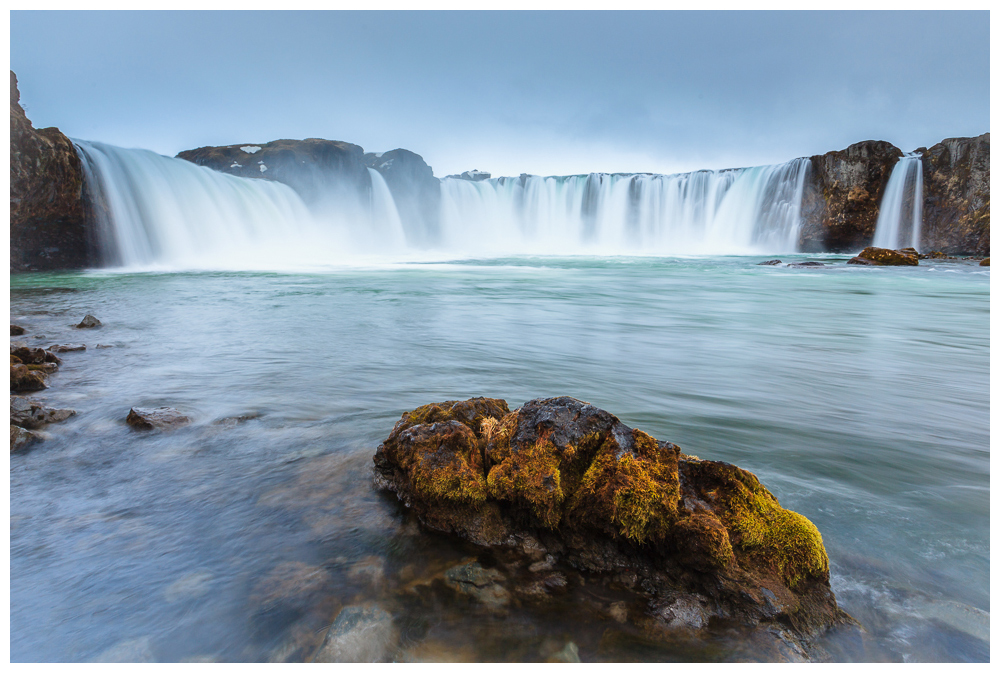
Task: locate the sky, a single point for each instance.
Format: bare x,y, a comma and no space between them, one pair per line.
548,93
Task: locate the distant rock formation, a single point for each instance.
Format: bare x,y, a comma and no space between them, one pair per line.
956,213
48,215
415,190
475,175
841,199
315,168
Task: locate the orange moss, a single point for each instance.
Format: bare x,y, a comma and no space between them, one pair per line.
530,475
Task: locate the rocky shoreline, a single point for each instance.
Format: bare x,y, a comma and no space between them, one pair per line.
54,216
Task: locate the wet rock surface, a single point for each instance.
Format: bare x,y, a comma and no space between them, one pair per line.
359,634
985,262
159,418
66,348
885,257
89,322
770,262
562,493
19,437
16,330
32,415
956,206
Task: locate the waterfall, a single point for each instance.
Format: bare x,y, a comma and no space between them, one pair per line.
158,212
736,211
899,213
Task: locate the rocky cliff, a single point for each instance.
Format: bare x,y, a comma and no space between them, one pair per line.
956,215
48,216
841,199
319,170
415,190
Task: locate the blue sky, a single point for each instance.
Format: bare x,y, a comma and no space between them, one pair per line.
536,92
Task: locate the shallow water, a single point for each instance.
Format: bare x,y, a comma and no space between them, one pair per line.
859,396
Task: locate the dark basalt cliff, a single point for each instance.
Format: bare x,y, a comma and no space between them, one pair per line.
956,215
703,542
841,199
315,168
48,215
415,190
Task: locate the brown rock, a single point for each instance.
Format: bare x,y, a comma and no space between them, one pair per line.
66,348
89,322
985,262
19,437
886,257
23,379
160,418
612,502
32,415
16,330
956,208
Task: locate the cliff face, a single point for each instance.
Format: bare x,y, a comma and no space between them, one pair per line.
315,168
841,199
48,217
415,190
956,215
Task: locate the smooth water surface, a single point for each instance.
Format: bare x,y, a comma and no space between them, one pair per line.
859,396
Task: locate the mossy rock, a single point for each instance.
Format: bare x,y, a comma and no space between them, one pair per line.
886,257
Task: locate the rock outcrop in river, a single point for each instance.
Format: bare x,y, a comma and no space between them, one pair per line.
48,214
956,207
704,542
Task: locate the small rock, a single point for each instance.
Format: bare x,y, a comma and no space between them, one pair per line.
862,261
370,570
230,421
684,611
359,634
32,415
886,257
546,564
618,612
770,262
290,584
160,418
19,437
482,584
807,264
103,346
32,356
16,330
23,379
66,348
985,262
88,322
567,655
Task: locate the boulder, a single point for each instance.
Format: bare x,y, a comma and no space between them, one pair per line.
159,418
66,348
559,477
841,196
16,330
32,415
23,379
886,257
985,262
19,437
32,356
89,322
956,207
49,224
360,634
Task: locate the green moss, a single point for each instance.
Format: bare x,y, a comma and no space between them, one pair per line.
772,535
530,476
636,492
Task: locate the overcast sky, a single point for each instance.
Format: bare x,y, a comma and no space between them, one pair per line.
543,93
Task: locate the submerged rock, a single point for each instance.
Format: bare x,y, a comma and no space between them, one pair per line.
481,584
89,322
806,264
19,437
700,540
770,262
32,415
66,348
885,257
160,418
359,634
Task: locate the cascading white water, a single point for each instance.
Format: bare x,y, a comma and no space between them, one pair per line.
707,212
900,213
170,213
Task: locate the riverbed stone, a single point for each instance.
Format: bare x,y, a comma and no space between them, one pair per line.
359,634
886,257
19,437
66,348
698,538
89,322
32,415
23,379
159,418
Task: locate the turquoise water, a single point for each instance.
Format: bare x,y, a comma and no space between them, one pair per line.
859,396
